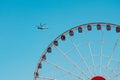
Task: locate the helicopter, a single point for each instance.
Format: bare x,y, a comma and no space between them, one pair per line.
41,26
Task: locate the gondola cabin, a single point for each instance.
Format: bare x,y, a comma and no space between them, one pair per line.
39,66
98,26
36,74
44,57
49,50
80,29
118,29
71,33
56,43
108,27
62,37
89,27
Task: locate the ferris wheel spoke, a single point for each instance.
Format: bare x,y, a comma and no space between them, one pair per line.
101,51
72,62
116,66
64,70
79,53
116,76
104,73
74,48
111,72
90,51
113,51
114,73
46,78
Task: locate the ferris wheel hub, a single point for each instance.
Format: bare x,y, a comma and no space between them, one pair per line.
98,78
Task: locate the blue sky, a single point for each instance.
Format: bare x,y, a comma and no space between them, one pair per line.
21,44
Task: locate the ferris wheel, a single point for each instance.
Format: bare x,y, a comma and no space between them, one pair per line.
85,52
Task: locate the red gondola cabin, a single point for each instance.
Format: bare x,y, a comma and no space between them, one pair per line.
56,43
118,29
71,33
62,37
80,29
36,74
98,26
49,50
39,66
108,27
44,57
89,27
